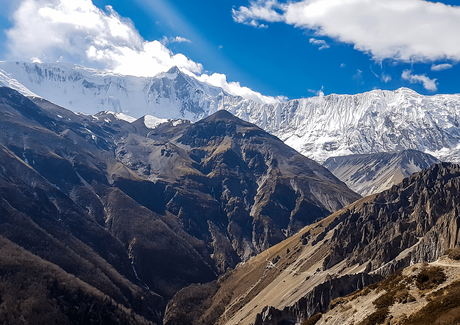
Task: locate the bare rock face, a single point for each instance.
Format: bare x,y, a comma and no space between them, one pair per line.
233,186
150,210
420,212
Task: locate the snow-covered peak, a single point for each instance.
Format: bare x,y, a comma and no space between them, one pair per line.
172,94
172,73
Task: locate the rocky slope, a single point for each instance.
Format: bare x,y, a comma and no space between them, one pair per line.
414,221
139,213
318,127
368,174
424,293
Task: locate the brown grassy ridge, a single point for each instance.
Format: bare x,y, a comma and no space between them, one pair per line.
443,307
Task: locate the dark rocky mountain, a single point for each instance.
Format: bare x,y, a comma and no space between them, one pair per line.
254,190
413,222
372,173
135,214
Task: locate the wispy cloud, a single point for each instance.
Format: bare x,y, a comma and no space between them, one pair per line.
440,67
179,39
407,30
386,78
321,43
428,84
259,10
76,31
358,76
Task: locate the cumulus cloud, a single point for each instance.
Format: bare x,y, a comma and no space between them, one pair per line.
321,43
77,31
428,84
407,30
440,67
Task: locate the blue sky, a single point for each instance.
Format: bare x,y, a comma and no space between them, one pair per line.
276,48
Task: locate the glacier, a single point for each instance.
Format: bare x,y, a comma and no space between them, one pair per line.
318,127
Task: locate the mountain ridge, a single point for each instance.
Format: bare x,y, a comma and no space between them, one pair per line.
369,174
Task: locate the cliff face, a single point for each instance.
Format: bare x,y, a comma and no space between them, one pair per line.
421,213
412,222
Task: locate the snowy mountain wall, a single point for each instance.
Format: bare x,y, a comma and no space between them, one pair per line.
318,127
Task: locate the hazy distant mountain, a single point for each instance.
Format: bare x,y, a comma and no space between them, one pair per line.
372,173
318,127
413,222
137,210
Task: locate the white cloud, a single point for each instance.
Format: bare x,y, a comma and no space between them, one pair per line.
428,84
220,80
260,10
440,67
407,30
386,78
77,31
359,75
179,39
321,43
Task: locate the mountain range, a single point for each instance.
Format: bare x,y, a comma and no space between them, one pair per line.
129,214
166,200
319,127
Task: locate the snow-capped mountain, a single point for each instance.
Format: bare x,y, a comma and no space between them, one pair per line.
318,127
171,94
